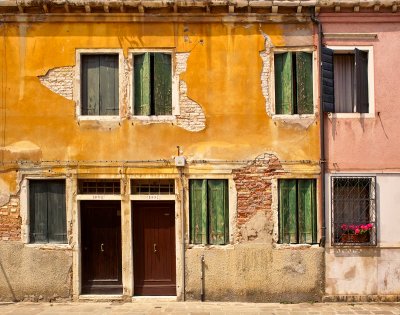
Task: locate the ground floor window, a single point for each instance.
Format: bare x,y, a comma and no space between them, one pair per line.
209,211
47,211
297,211
353,210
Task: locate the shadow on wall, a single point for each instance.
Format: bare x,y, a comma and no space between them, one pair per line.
7,280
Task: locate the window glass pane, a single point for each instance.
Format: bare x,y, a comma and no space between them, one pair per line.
344,83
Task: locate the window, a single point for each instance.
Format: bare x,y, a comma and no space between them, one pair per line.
99,88
209,213
152,84
297,211
353,210
345,80
293,83
47,211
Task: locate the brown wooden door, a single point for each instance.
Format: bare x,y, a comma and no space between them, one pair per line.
101,247
154,248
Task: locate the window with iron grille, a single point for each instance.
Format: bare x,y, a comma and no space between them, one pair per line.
152,187
353,210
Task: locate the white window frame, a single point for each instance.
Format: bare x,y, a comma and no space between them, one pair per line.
315,83
175,87
371,85
77,83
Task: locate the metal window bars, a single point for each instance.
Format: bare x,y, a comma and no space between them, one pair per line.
353,210
152,187
99,187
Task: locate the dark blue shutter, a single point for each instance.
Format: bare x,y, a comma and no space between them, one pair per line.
328,91
361,78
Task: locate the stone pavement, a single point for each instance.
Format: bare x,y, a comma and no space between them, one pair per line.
195,308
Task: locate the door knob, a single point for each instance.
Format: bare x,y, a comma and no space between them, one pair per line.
155,248
102,247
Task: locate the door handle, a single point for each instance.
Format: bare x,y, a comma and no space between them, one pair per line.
155,248
102,247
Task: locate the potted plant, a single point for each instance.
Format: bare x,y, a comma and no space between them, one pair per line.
355,233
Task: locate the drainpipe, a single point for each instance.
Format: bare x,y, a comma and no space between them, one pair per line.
321,129
202,278
180,167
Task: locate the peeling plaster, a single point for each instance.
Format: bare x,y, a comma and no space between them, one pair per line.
59,81
21,150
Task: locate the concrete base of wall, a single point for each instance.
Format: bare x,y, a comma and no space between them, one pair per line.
361,298
255,273
30,273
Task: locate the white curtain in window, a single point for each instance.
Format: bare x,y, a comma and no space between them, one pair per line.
344,83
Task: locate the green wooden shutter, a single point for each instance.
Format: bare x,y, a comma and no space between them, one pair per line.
56,212
283,83
162,84
198,211
38,211
218,211
304,80
108,73
142,84
361,81
90,84
307,211
287,211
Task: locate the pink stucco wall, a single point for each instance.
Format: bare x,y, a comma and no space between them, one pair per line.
368,144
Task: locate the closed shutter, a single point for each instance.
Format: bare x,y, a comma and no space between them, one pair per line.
38,211
307,211
162,84
328,92
283,83
142,84
90,84
361,78
108,73
218,211
287,211
304,80
198,211
56,212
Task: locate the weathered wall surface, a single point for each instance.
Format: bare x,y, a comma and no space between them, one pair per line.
32,274
225,96
374,141
255,272
370,271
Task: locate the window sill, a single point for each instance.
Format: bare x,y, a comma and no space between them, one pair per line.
295,246
293,117
208,246
155,118
49,246
99,118
351,115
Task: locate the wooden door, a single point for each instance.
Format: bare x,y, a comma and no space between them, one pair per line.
154,248
101,247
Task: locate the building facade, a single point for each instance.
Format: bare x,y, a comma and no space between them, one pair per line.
159,149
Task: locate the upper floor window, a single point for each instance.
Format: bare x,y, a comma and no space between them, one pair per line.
297,211
346,80
152,84
209,211
99,84
47,211
293,83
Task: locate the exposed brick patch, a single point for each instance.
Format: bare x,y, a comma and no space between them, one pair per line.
60,81
254,191
10,221
191,115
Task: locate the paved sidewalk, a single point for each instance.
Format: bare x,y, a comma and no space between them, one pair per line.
195,308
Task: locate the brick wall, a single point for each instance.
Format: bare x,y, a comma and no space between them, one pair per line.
10,221
254,189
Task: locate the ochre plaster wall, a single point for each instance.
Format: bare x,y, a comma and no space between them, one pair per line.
223,76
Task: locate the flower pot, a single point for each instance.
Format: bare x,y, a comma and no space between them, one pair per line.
355,238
